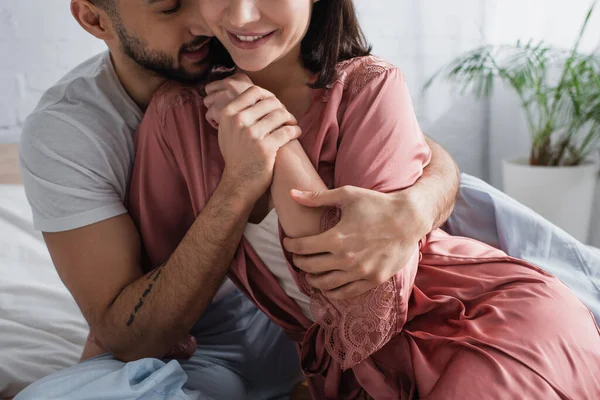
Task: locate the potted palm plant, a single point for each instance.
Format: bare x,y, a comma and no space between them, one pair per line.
559,92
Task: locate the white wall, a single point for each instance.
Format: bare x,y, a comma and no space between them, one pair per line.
420,36
557,22
40,41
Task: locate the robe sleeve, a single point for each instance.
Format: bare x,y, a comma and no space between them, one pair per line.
382,148
381,145
159,201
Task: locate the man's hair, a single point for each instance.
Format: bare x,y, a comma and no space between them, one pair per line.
333,35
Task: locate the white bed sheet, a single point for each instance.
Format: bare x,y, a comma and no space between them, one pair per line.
41,327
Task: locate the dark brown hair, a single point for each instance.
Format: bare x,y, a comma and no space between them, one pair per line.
333,35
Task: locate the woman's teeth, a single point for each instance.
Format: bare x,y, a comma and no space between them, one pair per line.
249,38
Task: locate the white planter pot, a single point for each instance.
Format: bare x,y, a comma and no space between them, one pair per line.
562,195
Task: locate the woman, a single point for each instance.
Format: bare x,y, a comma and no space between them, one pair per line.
460,320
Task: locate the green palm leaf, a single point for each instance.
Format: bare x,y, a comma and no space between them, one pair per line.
563,115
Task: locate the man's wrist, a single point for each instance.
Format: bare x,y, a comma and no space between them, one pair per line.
417,202
232,193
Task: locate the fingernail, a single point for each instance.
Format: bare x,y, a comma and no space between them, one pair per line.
297,192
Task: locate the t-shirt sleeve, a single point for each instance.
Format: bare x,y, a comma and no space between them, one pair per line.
67,176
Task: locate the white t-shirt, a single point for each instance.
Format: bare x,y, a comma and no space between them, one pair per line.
76,151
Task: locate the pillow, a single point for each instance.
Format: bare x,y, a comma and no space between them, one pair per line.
42,328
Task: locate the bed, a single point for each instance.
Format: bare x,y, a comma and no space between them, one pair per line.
42,329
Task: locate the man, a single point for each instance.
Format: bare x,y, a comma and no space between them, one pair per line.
76,158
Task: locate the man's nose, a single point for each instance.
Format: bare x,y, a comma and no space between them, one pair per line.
195,21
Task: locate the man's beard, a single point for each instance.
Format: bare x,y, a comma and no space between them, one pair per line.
159,62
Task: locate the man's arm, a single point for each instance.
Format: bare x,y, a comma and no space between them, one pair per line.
377,231
135,315
436,190
97,251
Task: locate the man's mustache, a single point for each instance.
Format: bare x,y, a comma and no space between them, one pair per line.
196,43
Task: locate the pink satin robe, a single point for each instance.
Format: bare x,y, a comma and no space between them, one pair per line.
464,322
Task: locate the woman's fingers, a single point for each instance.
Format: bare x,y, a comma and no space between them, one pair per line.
227,82
215,103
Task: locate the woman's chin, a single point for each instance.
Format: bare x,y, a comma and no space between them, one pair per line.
251,67
252,63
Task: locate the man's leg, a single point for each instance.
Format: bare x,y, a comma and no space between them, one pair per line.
235,335
240,355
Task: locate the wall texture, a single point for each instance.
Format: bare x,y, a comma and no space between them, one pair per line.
39,42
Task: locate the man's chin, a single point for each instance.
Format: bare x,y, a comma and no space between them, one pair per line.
189,72
187,75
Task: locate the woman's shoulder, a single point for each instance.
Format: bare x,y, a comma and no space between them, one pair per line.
174,94
355,74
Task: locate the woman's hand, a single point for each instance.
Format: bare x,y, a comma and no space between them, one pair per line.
252,128
222,92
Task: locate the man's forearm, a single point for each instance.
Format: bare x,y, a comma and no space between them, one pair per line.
437,188
157,310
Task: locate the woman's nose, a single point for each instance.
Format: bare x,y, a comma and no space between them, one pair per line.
242,12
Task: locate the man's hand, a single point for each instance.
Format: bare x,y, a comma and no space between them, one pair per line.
374,239
252,128
378,232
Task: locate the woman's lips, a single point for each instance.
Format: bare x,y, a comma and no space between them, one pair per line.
249,44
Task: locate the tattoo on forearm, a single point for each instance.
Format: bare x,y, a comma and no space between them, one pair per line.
153,276
154,272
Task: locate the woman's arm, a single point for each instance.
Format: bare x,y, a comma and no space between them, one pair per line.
428,203
294,171
377,230
373,223
381,148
